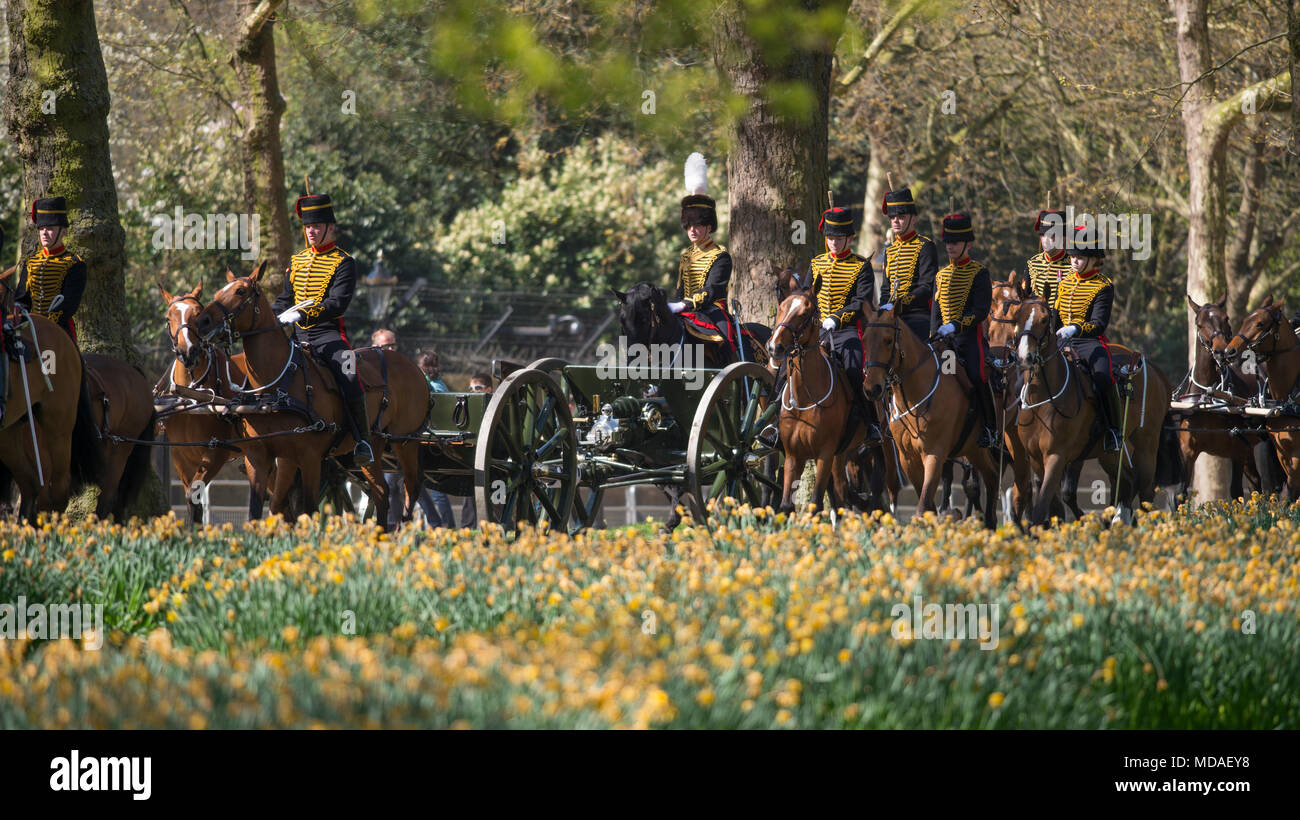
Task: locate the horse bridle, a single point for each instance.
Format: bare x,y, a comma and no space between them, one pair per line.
1010,349
203,345
796,334
1271,332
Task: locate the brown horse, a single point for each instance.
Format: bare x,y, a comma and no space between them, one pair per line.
931,417
1211,378
202,366
815,401
47,450
1270,338
311,427
1001,331
121,404
1057,413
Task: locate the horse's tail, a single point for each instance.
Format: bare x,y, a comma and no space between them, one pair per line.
87,456
1169,458
137,464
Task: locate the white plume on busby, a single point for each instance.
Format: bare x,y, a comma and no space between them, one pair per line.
697,174
698,208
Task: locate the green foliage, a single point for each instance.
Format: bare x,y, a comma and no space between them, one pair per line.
602,213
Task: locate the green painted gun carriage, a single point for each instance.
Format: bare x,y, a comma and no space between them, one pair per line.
553,437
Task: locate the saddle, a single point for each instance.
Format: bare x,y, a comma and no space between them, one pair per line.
700,329
1124,364
963,380
372,370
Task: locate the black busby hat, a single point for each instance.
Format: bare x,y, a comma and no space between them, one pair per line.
897,203
697,207
836,222
957,228
1085,242
50,212
1046,219
314,209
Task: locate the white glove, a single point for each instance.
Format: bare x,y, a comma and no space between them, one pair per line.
677,307
829,323
947,329
1066,332
289,316
887,306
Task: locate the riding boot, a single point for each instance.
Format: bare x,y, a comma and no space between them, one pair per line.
359,420
988,417
1108,401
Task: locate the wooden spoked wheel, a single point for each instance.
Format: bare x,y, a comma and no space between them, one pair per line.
526,456
734,450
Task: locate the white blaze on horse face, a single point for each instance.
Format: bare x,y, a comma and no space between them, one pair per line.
1023,351
184,308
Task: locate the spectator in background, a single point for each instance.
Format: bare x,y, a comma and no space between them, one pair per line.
384,338
478,383
429,363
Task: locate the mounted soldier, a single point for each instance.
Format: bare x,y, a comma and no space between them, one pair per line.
963,295
911,262
1082,308
704,272
54,278
319,285
844,284
1051,264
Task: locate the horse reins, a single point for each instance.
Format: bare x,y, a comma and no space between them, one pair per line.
796,353
892,377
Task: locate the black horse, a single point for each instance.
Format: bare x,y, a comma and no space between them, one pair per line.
645,318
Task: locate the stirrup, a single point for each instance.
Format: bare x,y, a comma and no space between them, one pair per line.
362,454
770,436
1110,441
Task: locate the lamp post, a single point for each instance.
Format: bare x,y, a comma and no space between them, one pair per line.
379,288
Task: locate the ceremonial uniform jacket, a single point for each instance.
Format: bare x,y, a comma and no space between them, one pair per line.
963,295
843,286
910,266
327,276
703,276
1045,273
47,274
1085,301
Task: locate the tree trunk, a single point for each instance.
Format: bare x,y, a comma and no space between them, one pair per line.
254,64
777,165
871,236
1239,276
1205,233
54,60
1293,39
56,110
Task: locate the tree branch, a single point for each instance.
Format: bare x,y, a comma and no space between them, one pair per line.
879,42
252,25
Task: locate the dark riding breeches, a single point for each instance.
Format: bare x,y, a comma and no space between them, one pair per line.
849,353
329,347
970,352
1094,354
